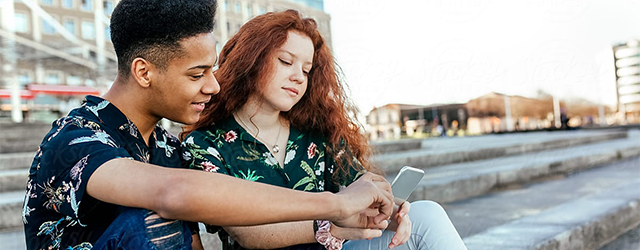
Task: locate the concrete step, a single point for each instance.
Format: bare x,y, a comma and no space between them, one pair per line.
396,146
629,240
13,179
17,146
465,180
581,211
456,150
16,160
11,210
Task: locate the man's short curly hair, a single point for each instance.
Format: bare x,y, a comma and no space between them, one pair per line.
152,29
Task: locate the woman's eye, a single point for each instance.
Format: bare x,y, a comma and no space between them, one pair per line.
285,62
197,76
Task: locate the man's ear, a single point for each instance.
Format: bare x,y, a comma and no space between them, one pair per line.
140,71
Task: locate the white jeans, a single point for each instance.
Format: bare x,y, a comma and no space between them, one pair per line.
431,230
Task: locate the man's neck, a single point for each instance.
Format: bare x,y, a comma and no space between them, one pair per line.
126,98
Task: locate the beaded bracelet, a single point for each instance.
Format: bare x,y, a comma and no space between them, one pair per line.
324,237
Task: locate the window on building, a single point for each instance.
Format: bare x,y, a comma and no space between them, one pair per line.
67,4
249,10
261,10
24,78
108,7
52,78
46,2
87,5
90,82
229,27
237,8
47,28
70,26
88,30
226,5
107,33
74,80
22,23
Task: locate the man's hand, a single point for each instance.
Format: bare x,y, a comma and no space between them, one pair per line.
366,203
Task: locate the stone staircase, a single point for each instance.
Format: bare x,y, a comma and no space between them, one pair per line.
543,190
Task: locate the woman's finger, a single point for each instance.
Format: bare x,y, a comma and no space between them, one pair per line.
404,209
403,232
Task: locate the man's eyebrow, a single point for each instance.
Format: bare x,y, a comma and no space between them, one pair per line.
201,67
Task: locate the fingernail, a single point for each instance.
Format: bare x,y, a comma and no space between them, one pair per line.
391,246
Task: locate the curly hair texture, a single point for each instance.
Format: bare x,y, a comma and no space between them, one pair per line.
324,109
152,29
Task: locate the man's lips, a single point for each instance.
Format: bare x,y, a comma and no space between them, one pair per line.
200,105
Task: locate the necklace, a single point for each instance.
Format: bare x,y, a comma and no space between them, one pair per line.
275,148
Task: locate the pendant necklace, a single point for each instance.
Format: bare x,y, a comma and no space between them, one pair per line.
275,148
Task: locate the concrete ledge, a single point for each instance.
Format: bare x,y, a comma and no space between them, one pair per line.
13,180
459,184
587,223
391,163
395,146
11,210
16,160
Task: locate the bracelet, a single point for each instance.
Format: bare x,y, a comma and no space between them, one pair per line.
324,237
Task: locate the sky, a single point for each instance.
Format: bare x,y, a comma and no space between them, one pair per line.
450,51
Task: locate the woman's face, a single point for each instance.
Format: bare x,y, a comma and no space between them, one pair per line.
291,64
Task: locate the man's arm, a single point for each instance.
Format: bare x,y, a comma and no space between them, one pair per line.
228,201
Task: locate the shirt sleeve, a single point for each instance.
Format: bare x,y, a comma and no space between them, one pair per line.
67,159
200,152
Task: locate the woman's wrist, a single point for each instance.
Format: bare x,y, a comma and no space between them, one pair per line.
324,236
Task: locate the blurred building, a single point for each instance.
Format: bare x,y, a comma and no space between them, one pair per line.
232,14
53,52
393,121
627,65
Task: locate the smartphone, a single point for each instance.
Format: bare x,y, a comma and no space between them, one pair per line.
405,182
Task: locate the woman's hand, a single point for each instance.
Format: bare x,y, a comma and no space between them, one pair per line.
354,233
401,224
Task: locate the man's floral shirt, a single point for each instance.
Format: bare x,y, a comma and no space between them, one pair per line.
57,212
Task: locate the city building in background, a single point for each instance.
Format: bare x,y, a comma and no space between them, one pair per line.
53,52
627,65
489,113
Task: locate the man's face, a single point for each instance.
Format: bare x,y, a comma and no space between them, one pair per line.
180,92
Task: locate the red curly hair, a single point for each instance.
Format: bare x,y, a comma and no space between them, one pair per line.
325,109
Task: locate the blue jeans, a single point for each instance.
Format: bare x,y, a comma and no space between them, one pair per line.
145,230
431,229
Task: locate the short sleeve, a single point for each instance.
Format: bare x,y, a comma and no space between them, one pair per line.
68,159
200,152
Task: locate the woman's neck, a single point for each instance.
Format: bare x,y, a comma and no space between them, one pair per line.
259,117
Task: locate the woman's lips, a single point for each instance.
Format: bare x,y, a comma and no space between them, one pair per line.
291,91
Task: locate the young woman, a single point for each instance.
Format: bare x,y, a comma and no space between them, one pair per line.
282,118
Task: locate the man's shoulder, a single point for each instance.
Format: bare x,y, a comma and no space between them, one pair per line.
79,126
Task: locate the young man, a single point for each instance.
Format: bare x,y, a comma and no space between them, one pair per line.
106,175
